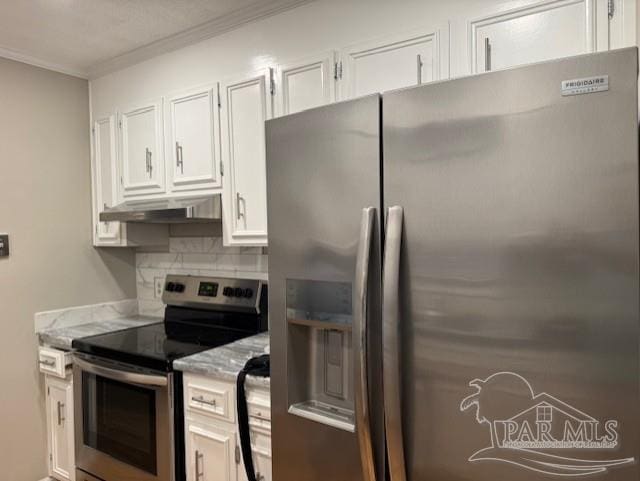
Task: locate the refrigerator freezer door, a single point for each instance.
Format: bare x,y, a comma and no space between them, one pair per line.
323,179
518,272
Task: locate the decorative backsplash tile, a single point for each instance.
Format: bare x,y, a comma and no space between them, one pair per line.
203,256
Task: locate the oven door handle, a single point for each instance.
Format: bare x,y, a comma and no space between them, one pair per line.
120,375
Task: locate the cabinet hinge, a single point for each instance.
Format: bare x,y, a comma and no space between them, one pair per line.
337,70
272,81
611,7
237,454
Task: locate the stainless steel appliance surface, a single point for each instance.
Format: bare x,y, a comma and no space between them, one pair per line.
508,322
178,210
128,399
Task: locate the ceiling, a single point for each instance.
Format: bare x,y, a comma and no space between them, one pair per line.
90,37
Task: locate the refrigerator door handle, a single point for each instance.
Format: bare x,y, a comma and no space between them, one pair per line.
360,317
391,371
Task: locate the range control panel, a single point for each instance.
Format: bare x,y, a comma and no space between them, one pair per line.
216,293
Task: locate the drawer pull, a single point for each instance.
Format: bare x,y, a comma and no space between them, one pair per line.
202,400
47,363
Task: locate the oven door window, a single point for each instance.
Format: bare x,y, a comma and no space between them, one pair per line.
120,420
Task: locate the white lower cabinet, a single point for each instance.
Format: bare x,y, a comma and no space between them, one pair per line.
60,427
212,439
210,452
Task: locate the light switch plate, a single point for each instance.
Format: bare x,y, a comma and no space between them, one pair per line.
4,245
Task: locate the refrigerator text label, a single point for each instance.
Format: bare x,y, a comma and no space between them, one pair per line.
586,85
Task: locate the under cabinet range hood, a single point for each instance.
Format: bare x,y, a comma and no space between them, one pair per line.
177,210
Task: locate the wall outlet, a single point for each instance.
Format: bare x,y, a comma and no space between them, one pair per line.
158,283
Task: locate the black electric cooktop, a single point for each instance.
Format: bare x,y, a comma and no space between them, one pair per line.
215,321
153,346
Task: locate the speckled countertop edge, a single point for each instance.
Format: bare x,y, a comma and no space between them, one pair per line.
225,362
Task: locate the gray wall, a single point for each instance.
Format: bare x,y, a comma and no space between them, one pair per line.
45,206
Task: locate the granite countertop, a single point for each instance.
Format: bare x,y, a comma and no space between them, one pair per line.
225,362
62,337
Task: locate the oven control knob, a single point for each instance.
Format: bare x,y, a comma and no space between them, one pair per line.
248,293
237,292
179,287
170,287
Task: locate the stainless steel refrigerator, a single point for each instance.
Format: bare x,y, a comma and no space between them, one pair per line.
453,270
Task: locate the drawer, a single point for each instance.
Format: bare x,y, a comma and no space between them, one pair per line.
260,442
210,397
259,405
53,361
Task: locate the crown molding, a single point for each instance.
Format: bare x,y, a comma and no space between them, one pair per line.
194,35
36,62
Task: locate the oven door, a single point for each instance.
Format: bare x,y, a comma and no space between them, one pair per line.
124,421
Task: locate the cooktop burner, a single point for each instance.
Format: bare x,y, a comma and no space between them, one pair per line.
204,313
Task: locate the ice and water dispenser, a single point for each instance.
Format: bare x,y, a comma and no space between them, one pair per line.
320,353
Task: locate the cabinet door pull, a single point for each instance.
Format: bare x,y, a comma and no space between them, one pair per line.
239,214
420,65
179,160
150,164
487,55
146,161
199,456
47,363
61,418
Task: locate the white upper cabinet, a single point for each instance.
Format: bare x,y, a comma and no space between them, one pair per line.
544,31
245,106
393,63
306,84
105,178
194,143
142,153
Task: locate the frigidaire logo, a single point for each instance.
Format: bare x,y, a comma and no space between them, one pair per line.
538,422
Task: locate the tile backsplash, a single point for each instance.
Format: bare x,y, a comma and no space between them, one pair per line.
205,256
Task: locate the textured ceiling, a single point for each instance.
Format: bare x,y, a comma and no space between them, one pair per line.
77,35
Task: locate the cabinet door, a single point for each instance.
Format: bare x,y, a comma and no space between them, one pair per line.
245,106
262,466
552,29
105,178
210,453
142,151
194,141
60,427
305,84
393,63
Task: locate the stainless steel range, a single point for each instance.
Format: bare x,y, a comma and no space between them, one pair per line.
128,399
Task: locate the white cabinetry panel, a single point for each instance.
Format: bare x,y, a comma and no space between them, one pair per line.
402,61
246,105
60,428
210,453
105,146
142,152
194,141
305,84
544,31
